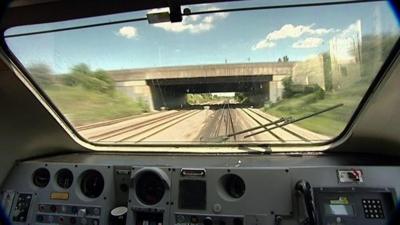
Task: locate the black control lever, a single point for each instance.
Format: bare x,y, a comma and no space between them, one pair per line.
304,188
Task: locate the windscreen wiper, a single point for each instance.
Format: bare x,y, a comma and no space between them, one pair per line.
278,123
226,137
287,122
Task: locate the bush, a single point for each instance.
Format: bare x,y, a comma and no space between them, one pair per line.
316,96
42,74
291,89
98,81
288,87
311,88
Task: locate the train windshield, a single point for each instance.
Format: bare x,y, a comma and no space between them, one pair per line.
257,75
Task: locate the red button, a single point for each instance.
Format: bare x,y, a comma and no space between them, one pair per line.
53,208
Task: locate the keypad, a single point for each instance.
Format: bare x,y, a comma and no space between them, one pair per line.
372,209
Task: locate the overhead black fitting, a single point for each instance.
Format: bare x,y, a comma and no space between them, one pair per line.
175,13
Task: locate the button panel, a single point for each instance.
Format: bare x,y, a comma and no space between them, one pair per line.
373,209
67,220
187,219
68,214
21,208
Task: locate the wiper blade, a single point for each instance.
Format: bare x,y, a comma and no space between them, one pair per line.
287,122
226,137
278,123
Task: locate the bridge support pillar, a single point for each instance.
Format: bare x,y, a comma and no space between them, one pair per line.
276,88
136,90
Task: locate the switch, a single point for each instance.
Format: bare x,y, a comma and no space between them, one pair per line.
194,219
82,212
41,208
208,221
180,219
39,218
96,211
84,221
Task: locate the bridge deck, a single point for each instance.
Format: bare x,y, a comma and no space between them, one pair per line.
212,70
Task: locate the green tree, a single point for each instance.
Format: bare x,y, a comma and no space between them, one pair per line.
285,58
42,74
82,75
288,87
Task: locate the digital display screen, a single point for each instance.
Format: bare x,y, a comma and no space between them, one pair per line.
192,194
339,210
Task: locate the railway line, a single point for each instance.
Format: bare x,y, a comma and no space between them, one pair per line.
197,126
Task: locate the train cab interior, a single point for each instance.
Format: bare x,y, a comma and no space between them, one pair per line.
200,112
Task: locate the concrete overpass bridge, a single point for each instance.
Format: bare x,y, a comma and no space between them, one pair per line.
168,86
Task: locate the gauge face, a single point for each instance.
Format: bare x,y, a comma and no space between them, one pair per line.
41,177
65,178
92,183
150,188
233,185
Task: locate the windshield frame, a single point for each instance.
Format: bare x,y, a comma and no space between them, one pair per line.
21,72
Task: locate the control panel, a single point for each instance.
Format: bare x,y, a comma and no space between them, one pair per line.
49,192
185,219
21,208
354,206
68,214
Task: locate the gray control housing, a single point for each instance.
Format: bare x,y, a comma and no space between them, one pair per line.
270,185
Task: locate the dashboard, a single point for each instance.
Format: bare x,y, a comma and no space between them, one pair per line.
97,189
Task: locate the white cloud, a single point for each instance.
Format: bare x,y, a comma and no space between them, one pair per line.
311,42
264,44
192,24
127,32
290,31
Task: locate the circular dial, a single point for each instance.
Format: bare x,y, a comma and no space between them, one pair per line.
150,188
233,185
92,183
65,178
41,177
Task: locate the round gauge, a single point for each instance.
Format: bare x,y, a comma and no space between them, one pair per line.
150,187
92,183
64,178
41,177
233,185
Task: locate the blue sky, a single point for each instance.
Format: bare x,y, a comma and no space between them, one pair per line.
255,36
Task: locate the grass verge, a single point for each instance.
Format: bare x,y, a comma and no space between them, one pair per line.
330,123
82,106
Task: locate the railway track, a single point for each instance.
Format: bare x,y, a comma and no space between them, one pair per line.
204,125
124,129
111,122
141,128
273,133
283,134
221,124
